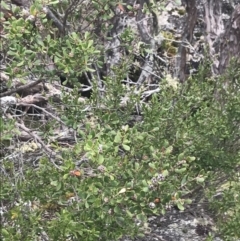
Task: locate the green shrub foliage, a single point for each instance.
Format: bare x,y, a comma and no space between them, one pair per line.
119,171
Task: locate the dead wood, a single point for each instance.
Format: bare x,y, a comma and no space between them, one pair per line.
21,88
187,36
229,46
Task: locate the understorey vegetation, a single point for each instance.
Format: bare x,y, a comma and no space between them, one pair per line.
98,133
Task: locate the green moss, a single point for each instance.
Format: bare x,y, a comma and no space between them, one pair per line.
181,11
168,43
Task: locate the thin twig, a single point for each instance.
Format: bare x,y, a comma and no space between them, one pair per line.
147,71
39,140
43,110
72,7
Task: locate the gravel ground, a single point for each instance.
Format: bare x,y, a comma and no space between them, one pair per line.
178,226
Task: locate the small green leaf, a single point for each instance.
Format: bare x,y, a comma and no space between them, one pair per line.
126,141
129,214
90,70
163,211
100,159
28,51
4,5
75,35
123,190
75,124
106,7
152,165
177,135
129,7
111,177
140,137
88,146
20,64
117,210
11,52
137,165
180,206
191,158
188,201
180,156
145,184
53,2
86,35
37,62
5,233
118,137
200,179
169,150
59,186
65,176
180,170
116,149
141,217
126,147
166,144
184,180
145,189
165,173
54,183
90,43
152,149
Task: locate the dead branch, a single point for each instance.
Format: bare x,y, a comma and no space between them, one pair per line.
23,87
187,35
55,20
230,41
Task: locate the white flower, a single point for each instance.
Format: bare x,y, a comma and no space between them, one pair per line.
160,177
172,81
152,205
